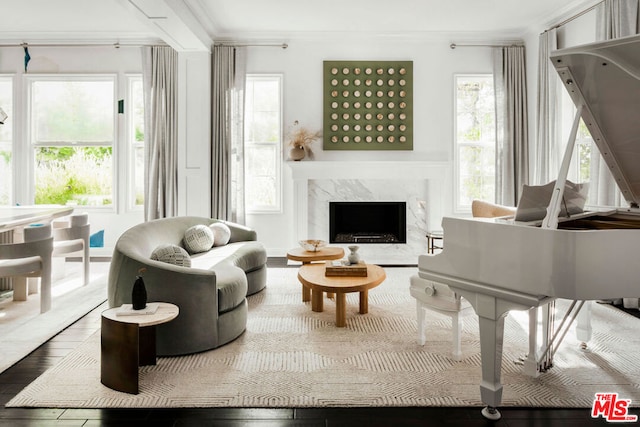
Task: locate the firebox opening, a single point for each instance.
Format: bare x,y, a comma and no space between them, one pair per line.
367,222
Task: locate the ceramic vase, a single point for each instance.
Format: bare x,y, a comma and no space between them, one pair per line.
353,257
139,294
297,153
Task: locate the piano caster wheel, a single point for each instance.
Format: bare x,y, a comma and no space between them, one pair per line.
583,346
491,413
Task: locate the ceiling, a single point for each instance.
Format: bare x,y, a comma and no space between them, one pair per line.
194,24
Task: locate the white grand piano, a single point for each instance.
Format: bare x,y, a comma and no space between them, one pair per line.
501,264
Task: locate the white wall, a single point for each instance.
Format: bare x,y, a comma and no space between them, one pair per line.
194,134
434,65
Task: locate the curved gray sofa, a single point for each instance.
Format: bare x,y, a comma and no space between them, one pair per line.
211,294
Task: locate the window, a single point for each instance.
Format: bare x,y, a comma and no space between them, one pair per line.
263,143
135,139
6,141
72,133
580,168
475,139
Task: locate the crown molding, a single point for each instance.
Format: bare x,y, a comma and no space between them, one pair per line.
369,37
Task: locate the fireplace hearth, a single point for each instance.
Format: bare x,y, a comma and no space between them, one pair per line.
367,222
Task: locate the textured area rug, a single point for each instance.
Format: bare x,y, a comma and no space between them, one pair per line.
290,356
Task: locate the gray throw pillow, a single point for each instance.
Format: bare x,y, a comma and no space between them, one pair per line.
171,254
198,238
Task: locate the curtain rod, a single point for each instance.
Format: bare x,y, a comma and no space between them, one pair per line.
231,44
576,16
454,45
115,45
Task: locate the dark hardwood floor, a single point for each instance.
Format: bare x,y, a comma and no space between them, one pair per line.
17,377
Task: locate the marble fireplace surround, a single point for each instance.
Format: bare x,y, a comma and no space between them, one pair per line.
425,186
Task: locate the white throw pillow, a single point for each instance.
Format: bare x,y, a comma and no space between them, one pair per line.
198,238
171,254
221,233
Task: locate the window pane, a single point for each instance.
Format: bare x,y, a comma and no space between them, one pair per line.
477,180
266,95
6,141
138,189
136,141
264,127
261,192
74,176
261,159
475,138
263,124
137,111
261,184
73,111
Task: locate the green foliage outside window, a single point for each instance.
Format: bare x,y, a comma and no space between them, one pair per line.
74,175
73,122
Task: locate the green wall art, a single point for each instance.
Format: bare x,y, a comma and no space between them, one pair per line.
368,105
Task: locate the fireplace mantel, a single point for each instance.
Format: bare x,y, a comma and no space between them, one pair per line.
365,169
437,175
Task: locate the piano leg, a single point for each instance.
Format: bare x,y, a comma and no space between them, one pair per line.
491,313
531,362
491,306
491,340
583,325
456,327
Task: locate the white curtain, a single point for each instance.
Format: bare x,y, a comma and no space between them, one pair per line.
227,150
548,112
615,18
160,77
512,152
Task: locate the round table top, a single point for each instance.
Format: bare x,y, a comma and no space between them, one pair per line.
324,254
312,275
165,312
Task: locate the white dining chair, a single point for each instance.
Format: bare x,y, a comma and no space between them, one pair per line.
71,235
31,258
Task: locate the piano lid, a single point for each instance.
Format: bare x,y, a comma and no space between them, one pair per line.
604,78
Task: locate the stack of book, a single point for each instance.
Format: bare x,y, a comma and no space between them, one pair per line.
340,268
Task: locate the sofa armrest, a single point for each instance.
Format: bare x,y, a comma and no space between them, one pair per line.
193,290
163,281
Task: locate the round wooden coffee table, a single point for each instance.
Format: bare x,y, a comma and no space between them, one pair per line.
312,276
327,253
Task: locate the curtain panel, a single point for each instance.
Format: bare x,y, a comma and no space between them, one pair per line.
227,134
615,19
512,151
548,143
160,82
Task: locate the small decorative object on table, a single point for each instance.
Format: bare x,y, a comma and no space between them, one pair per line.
353,257
128,310
340,268
139,293
312,245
